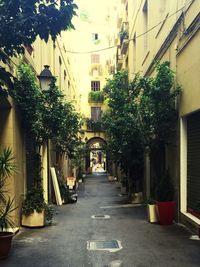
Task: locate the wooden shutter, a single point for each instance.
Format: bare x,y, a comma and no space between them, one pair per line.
30,162
96,113
193,161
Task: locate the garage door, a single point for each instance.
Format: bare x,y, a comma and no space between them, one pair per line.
193,162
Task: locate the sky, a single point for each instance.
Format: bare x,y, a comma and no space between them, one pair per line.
96,10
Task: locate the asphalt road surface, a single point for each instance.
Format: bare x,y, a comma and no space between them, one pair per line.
65,244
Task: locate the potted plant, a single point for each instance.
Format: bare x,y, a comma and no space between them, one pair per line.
164,196
7,167
124,185
33,208
35,211
64,193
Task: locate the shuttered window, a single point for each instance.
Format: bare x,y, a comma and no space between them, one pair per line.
95,58
31,162
193,162
95,113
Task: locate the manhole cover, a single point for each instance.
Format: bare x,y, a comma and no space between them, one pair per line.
110,245
116,263
100,216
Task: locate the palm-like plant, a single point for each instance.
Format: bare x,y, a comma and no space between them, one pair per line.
5,218
7,167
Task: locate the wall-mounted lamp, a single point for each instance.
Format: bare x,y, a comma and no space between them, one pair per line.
45,78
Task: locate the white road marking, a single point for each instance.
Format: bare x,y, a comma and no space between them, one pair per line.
116,263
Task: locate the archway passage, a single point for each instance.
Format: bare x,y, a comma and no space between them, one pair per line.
96,160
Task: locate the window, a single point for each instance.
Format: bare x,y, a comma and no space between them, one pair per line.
145,25
95,72
60,60
65,74
95,37
95,85
95,59
134,52
95,113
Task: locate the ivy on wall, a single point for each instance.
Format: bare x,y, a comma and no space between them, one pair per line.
46,115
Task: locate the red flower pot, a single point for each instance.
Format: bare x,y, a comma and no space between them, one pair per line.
5,243
166,212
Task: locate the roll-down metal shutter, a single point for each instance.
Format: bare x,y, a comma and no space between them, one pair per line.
193,161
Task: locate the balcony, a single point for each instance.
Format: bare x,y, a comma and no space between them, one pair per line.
96,69
94,126
95,97
119,58
124,37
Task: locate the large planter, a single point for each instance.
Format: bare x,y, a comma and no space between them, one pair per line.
5,244
33,220
166,212
152,213
111,178
136,198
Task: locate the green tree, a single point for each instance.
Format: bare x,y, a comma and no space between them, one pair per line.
125,141
61,119
28,95
22,21
140,113
46,115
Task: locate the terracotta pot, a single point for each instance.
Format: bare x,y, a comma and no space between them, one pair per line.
166,212
5,243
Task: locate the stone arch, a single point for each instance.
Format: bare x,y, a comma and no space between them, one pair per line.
96,160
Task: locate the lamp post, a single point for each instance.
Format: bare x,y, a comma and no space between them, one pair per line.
45,79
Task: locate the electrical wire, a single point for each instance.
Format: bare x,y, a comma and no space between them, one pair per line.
114,46
132,39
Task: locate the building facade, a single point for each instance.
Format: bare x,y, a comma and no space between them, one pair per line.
11,131
92,46
152,31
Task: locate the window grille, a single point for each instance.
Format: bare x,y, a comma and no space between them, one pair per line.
95,85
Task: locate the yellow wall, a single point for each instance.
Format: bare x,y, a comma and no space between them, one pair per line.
188,74
11,132
178,43
11,135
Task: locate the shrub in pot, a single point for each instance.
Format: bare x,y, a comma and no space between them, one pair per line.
124,184
33,208
7,167
64,193
35,211
164,196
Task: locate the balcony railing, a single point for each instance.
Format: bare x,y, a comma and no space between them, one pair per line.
119,58
124,36
95,97
94,126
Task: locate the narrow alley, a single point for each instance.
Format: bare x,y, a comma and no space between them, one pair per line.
65,243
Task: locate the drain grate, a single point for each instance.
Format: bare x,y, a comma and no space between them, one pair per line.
110,245
100,216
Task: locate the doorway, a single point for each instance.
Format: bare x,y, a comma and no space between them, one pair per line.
96,160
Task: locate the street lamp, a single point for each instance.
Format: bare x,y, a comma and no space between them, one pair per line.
45,78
